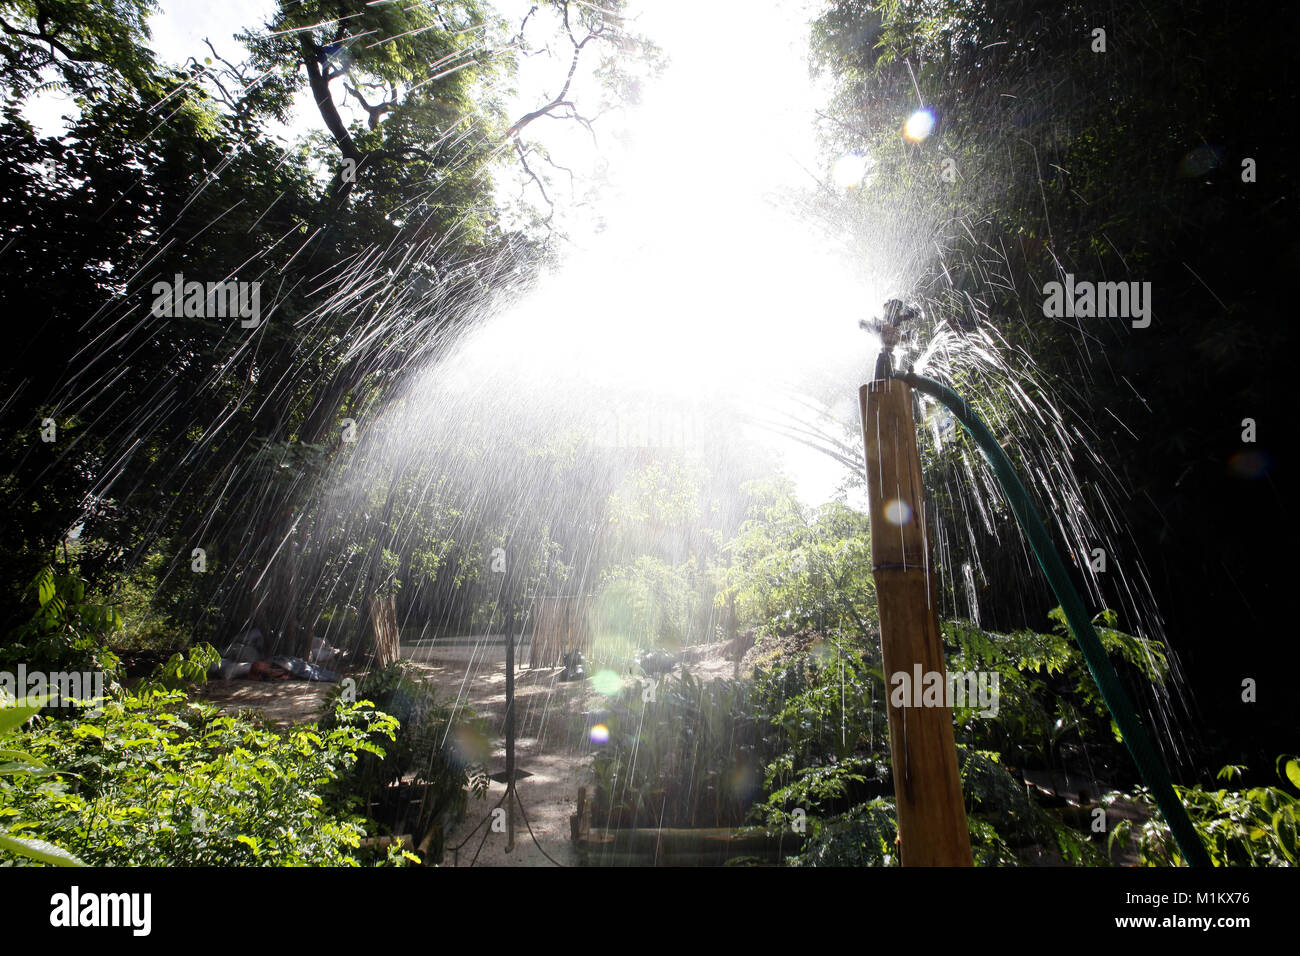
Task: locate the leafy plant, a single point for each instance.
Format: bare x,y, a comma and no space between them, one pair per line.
825,737
66,632
184,669
864,836
13,763
440,747
794,568
1002,817
156,779
1258,826
1046,693
690,757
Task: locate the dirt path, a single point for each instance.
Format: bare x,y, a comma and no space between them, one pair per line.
280,702
550,746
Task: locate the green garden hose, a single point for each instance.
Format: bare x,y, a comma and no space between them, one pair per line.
1148,762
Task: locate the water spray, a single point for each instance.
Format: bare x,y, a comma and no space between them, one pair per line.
908,622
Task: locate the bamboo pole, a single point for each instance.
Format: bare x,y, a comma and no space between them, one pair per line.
927,786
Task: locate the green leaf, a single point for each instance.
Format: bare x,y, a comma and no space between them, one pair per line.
252,843
22,769
38,850
45,587
20,755
18,714
1293,772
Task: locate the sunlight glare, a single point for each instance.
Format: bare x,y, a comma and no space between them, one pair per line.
919,125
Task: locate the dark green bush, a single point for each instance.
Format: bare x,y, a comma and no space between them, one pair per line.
66,632
442,748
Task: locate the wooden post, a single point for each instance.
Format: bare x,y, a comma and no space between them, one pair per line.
927,786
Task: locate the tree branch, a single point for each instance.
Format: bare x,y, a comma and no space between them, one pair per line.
55,45
320,90
561,98
375,112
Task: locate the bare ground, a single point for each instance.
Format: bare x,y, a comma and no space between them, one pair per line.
280,702
550,745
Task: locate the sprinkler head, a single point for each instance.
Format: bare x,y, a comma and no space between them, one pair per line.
888,327
896,313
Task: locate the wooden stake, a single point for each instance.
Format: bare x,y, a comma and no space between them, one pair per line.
927,786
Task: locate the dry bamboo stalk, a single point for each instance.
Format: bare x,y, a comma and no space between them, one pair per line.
927,786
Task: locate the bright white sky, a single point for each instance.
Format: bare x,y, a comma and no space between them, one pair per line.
737,74
710,279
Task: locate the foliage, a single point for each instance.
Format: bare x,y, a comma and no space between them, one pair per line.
651,603
444,747
825,735
711,753
84,43
181,671
67,632
1259,826
864,836
149,621
690,757
13,714
184,432
1002,816
158,780
1046,694
659,552
810,733
794,568
1124,165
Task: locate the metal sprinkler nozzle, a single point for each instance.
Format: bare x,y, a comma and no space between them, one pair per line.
888,327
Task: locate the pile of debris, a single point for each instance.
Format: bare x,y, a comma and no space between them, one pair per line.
247,658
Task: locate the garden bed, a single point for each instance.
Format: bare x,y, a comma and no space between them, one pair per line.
685,846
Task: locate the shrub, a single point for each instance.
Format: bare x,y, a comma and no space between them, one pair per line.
1253,827
158,780
65,632
862,837
442,748
16,764
690,757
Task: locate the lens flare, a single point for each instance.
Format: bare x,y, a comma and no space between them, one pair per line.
1249,465
606,682
600,734
898,512
919,125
